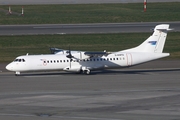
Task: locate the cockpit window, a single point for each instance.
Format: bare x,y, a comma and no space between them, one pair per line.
15,60
19,60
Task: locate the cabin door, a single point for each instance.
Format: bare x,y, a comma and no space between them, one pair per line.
129,59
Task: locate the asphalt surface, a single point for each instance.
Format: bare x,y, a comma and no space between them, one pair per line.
146,92
27,2
83,28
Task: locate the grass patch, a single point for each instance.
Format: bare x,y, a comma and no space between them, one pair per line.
13,46
90,13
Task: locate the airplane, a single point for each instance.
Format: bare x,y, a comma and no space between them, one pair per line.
85,62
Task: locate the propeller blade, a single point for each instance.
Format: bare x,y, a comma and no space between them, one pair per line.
69,53
69,56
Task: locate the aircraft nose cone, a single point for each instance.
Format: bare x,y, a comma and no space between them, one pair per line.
9,67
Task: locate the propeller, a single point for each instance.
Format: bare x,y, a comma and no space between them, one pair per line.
70,56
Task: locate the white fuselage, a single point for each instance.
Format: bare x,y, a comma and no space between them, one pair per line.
61,62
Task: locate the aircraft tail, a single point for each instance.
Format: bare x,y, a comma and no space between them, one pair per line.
155,43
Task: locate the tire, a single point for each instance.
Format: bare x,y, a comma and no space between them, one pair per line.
87,72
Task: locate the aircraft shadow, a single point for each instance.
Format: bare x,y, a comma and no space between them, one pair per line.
102,72
135,71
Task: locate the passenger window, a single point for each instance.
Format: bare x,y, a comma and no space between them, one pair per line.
19,60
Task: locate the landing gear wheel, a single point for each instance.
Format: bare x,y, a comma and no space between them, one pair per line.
17,73
87,72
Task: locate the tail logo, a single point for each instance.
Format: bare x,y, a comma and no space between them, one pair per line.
152,42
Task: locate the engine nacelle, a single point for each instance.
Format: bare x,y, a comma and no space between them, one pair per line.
76,54
80,55
73,68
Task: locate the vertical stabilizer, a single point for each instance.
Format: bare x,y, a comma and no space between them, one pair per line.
155,43
161,32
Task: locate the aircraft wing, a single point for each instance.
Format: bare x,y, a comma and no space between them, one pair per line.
62,51
79,54
95,54
55,50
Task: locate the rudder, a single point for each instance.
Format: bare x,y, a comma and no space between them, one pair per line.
161,32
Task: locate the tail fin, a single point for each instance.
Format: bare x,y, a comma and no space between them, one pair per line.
155,43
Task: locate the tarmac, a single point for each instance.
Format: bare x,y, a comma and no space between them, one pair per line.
145,92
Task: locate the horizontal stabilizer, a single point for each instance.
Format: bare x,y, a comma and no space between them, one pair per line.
164,29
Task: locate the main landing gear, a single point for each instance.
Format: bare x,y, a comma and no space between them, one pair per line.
87,72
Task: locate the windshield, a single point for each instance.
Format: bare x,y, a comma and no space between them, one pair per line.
19,60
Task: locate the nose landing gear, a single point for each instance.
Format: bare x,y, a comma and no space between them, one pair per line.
17,73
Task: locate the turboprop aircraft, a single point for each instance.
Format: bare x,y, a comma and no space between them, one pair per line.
85,62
